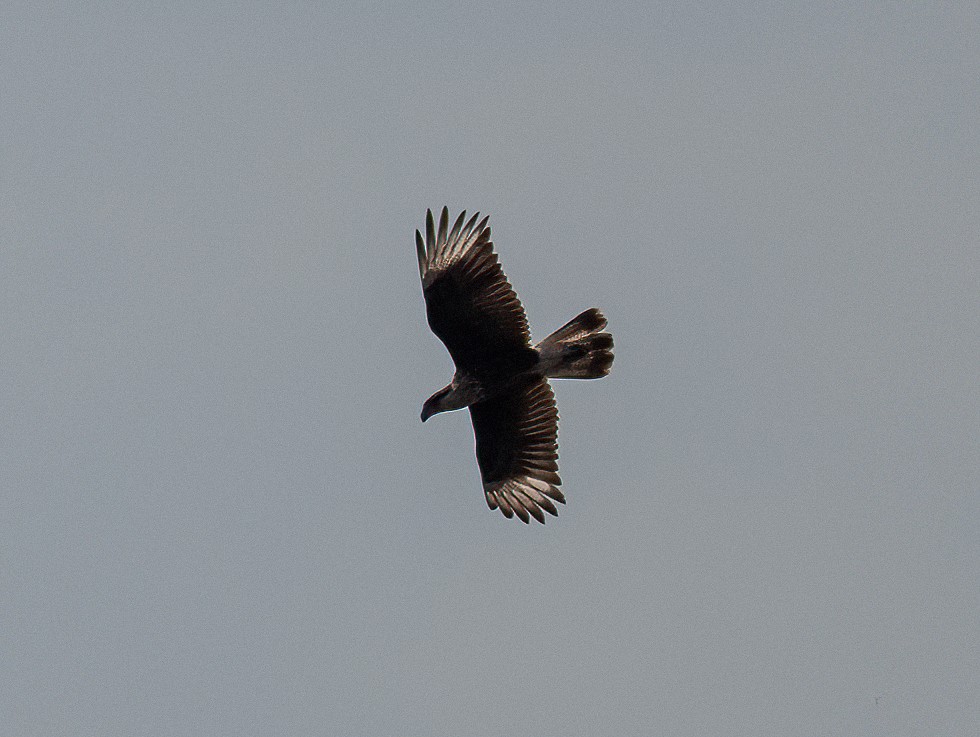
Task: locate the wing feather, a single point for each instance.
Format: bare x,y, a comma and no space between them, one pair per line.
517,450
470,305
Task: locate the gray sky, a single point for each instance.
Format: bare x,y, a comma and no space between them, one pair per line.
220,513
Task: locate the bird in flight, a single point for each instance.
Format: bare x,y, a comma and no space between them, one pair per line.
500,376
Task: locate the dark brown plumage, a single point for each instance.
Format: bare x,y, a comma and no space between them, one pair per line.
473,309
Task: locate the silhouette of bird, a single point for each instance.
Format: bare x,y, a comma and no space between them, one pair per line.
500,376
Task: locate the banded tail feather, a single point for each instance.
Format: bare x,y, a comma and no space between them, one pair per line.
578,349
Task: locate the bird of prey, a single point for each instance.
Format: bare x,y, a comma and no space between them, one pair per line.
500,376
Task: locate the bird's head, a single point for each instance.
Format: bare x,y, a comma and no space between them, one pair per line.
436,403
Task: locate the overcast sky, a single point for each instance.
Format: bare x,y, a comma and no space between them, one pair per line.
219,512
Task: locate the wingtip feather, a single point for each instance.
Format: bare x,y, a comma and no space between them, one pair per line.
430,232
457,226
420,251
443,228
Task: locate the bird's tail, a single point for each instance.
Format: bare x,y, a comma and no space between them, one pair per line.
579,349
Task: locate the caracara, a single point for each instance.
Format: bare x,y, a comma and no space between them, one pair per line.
500,376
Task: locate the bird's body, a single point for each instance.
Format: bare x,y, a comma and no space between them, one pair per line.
500,376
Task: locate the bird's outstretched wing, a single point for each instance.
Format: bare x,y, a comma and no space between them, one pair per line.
517,450
469,303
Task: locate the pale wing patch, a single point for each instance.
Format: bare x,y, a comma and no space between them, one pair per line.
442,248
525,496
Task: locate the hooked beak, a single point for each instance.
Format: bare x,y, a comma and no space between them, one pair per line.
426,413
